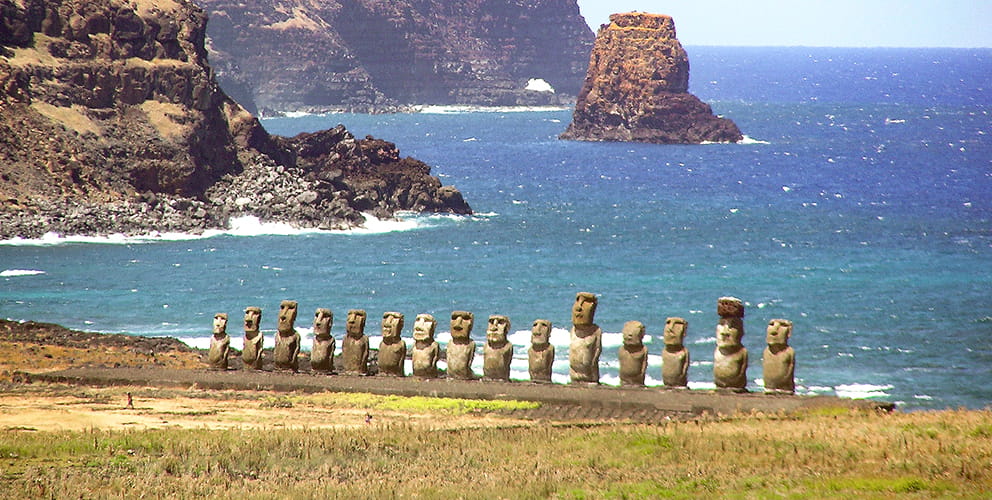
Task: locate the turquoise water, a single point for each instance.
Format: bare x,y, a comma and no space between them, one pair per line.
859,207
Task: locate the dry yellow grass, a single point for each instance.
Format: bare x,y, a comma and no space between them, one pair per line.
36,55
163,116
70,117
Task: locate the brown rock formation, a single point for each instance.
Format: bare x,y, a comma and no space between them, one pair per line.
111,121
362,55
637,88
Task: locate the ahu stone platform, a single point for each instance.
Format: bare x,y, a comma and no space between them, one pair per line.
558,402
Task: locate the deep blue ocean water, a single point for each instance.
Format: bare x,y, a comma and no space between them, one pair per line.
860,207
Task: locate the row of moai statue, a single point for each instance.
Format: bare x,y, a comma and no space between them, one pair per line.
730,360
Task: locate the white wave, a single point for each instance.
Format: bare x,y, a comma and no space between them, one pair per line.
862,391
20,272
702,386
750,140
454,110
706,340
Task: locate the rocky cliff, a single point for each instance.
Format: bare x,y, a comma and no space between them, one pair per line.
111,121
292,55
637,87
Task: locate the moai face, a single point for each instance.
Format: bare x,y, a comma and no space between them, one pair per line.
499,327
423,328
675,331
253,318
287,316
584,310
220,324
729,332
392,325
633,334
778,333
461,325
540,333
323,319
356,323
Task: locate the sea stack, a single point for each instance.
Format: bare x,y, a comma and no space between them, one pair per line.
637,88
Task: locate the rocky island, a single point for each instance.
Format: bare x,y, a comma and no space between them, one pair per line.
111,122
379,55
637,88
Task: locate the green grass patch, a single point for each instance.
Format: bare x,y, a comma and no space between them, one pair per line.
417,404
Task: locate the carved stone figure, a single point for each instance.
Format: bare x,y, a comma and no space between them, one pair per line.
254,340
220,344
541,355
587,340
498,351
779,359
633,355
322,353
675,357
426,351
355,344
392,350
461,349
730,357
287,349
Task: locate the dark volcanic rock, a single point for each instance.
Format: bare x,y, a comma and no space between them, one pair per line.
111,121
637,89
380,55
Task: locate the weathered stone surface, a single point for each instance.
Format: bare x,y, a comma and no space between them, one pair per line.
637,85
541,355
111,121
287,347
675,357
392,350
426,351
254,341
461,350
730,357
322,352
376,55
586,340
220,344
779,359
355,345
633,355
498,351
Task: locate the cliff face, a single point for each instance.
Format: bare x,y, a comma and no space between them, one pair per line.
287,55
637,86
111,120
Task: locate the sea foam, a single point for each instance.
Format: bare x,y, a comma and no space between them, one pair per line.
19,272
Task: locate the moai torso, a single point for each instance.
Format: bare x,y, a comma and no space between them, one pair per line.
498,351
426,351
461,349
392,350
675,357
633,355
586,341
287,349
220,344
541,355
730,357
322,353
251,355
355,345
779,359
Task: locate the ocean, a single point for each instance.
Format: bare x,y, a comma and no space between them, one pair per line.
859,206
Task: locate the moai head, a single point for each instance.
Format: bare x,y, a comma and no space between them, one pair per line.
253,318
356,323
423,328
392,326
287,316
778,333
675,331
584,310
729,332
633,334
323,319
220,324
540,333
461,325
498,329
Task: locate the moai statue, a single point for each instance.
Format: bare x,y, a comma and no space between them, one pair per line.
254,340
392,350
322,353
287,347
730,357
541,355
220,344
426,350
779,360
587,340
355,344
461,349
498,351
633,355
675,357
